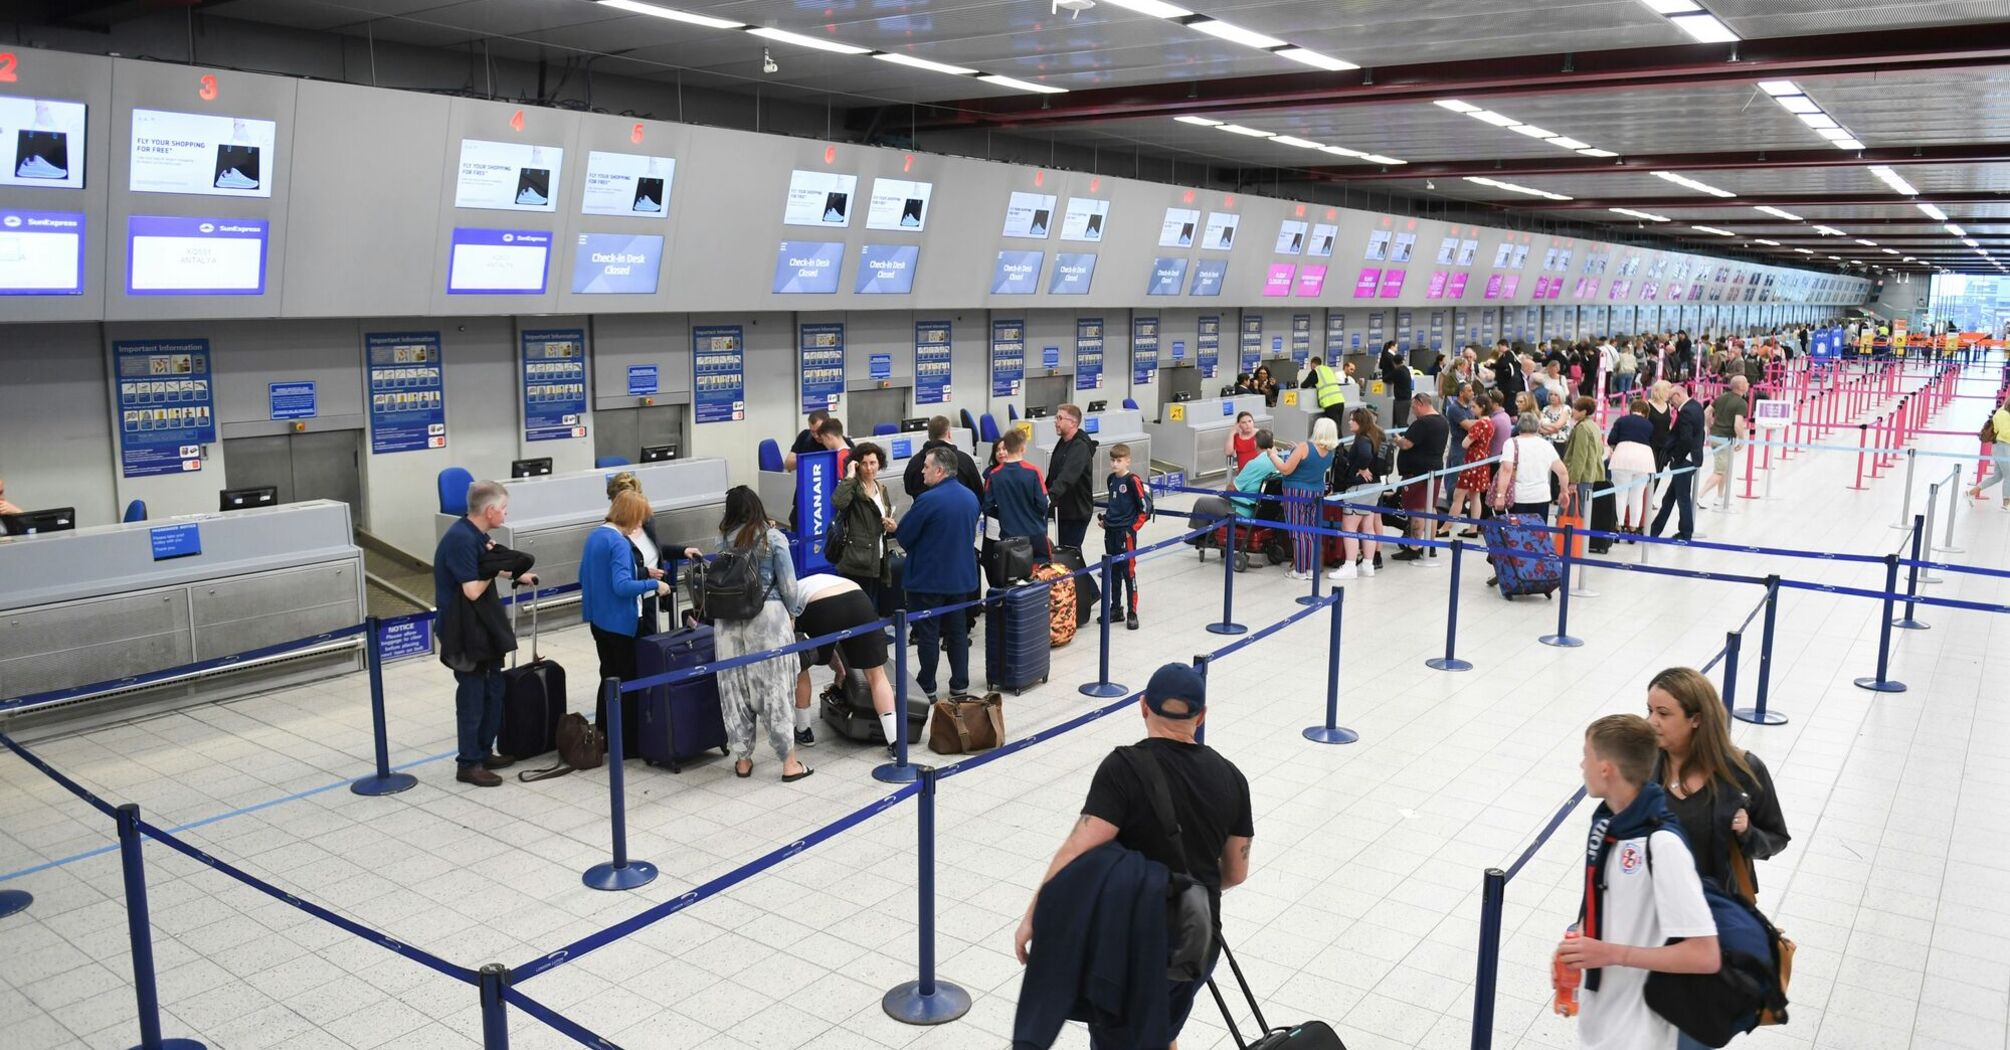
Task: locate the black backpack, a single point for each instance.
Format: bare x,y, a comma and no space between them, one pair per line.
1190,929
729,588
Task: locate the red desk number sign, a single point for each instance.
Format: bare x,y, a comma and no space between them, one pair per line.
7,68
206,88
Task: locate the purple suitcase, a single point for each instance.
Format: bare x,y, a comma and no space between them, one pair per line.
1524,556
681,721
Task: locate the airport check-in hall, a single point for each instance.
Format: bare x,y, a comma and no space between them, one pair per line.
464,465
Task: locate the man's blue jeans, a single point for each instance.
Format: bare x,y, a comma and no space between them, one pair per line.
478,699
952,627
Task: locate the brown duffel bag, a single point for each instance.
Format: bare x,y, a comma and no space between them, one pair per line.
963,724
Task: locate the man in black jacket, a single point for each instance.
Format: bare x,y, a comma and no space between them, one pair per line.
1395,370
1685,449
966,468
473,632
1070,484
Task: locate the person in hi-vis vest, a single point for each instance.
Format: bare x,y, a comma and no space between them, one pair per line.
1329,387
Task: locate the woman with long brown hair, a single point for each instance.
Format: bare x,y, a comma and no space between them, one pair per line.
1722,794
1359,476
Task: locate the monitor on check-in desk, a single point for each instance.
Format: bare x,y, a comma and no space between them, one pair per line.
1098,406
658,453
914,425
252,496
530,468
33,522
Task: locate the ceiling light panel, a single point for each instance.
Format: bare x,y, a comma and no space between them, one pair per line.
1704,28
1713,229
1647,215
1568,143
1237,129
1202,122
1235,34
1532,131
1490,117
1779,87
1456,106
1797,103
1597,152
1154,8
1293,140
674,15
1931,212
1671,7
1308,57
1787,215
1762,240
1022,85
1848,144
783,36
1819,121
921,63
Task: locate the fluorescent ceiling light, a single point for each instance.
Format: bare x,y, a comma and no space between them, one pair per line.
1829,231
1490,117
1848,144
921,63
1202,122
1150,7
1955,230
1789,216
1314,58
1805,251
1700,187
1713,229
639,8
1568,143
1648,215
1380,159
1779,87
1456,106
1836,134
1237,129
1704,28
1931,212
1819,120
1341,151
1889,251
1532,131
1671,7
1837,258
1235,34
1797,103
1762,240
816,42
1969,241
1293,140
1598,153
1022,85
1865,243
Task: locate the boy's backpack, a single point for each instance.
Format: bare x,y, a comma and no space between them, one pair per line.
1714,1008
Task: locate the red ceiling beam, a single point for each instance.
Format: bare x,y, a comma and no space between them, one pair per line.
1779,58
1920,220
1793,202
1573,164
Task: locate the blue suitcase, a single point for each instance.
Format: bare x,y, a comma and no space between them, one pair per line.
678,722
1524,557
1018,645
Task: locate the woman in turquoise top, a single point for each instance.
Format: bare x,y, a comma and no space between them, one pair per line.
1305,472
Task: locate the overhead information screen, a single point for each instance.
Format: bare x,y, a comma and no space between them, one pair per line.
1290,237
886,269
627,184
42,143
41,252
1406,243
1179,228
898,204
1029,215
617,264
508,176
1323,237
1168,276
1085,219
1073,273
183,255
1220,235
194,153
808,267
820,198
1378,245
498,262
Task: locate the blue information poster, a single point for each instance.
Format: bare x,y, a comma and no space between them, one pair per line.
1376,329
294,400
165,410
719,373
931,362
1403,330
1301,339
554,383
821,350
879,366
1207,346
1144,350
1252,342
408,394
642,380
1008,357
1437,329
1336,336
1179,352
1088,353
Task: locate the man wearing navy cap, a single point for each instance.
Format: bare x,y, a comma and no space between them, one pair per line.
1210,798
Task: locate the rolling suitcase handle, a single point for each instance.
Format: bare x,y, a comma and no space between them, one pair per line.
1263,1027
515,600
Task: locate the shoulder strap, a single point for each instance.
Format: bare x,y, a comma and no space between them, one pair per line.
547,773
1153,775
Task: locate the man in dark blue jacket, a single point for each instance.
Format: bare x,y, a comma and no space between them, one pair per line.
938,533
1016,494
1685,449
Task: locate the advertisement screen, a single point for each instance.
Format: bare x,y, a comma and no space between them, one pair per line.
41,252
1029,215
508,176
808,267
498,262
617,264
898,204
41,143
1220,231
627,184
1085,219
1290,238
1179,228
1323,237
820,198
886,269
181,255
1406,243
194,153
1378,245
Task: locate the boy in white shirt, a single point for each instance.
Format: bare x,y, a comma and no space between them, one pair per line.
1631,910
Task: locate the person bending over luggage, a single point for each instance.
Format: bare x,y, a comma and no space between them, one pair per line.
831,604
474,633
1722,793
1633,908
1129,507
936,533
1016,494
766,688
613,584
1211,806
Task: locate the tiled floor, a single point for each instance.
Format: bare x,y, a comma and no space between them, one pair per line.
1363,904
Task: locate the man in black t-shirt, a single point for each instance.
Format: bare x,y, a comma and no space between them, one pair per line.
1423,452
1210,799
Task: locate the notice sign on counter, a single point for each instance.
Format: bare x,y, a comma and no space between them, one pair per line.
554,384
175,541
642,380
719,373
931,362
408,400
1144,350
1088,353
165,410
1008,357
821,353
406,636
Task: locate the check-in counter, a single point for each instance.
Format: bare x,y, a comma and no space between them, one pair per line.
550,517
1190,435
116,601
902,448
1124,426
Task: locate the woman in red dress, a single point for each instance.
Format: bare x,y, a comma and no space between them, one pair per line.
1475,482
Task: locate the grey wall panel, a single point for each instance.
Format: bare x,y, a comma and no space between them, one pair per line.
621,341
494,122
247,356
55,421
72,78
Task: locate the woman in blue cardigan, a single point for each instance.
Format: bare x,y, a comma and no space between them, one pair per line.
612,584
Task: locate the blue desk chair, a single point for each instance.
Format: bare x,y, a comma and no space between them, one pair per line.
1130,404
136,511
1012,412
770,456
454,482
879,429
603,462
987,427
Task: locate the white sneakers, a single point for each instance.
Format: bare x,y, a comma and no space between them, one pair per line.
1367,567
1353,570
1294,574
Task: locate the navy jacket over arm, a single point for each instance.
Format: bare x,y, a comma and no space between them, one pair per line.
1099,952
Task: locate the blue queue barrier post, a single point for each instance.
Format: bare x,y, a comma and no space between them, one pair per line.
1228,557
382,782
1332,732
1102,686
1200,662
1758,715
1910,622
1449,661
619,873
1562,639
1880,683
1493,896
926,1001
12,901
495,1015
139,927
898,771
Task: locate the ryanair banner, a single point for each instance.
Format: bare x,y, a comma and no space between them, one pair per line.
816,487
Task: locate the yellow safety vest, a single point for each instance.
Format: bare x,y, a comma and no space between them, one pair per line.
1329,388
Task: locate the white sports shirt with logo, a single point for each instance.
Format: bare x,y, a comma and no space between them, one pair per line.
1642,911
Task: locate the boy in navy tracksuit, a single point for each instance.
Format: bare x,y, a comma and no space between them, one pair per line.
1129,507
1016,494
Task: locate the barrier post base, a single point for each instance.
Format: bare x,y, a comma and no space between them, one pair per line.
1448,663
1907,623
12,901
374,785
1227,628
1758,717
1105,690
626,877
1331,735
895,773
906,1003
1561,641
1880,685
173,1044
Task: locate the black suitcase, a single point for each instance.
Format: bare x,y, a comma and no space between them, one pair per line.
893,591
533,698
1018,648
1088,586
1604,518
1311,1035
677,722
848,709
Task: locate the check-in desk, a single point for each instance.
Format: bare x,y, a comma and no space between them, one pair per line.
1190,435
550,517
902,448
97,605
1124,426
